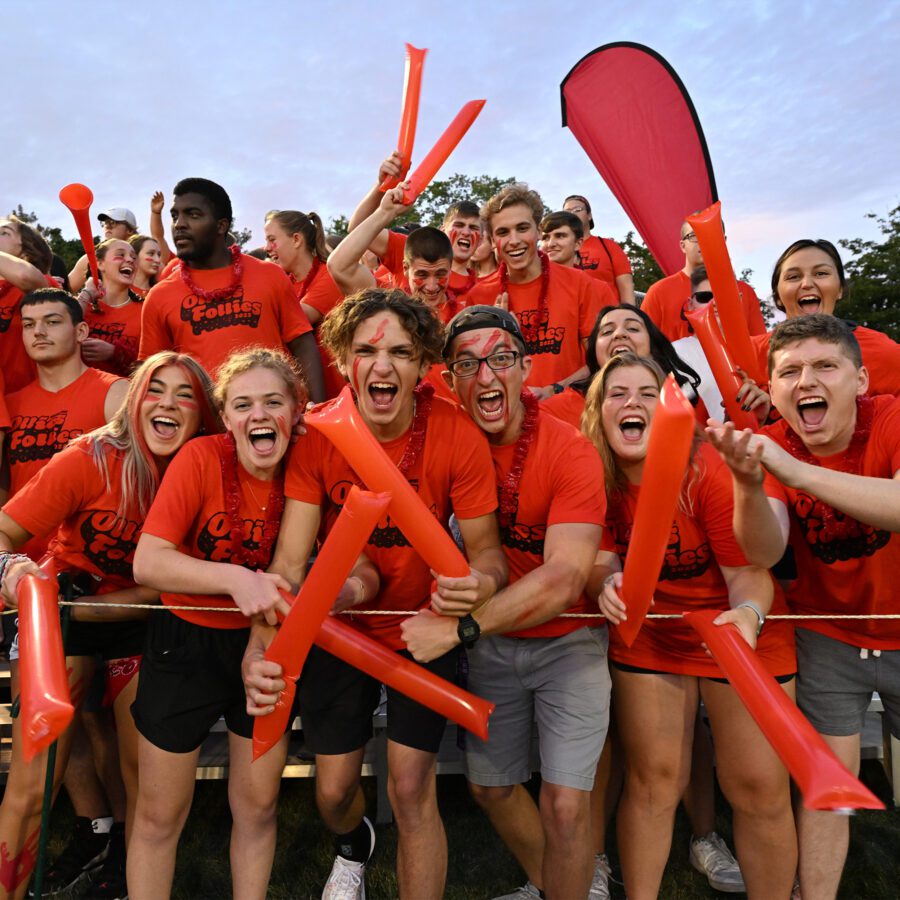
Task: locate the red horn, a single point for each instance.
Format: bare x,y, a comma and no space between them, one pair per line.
45,705
78,198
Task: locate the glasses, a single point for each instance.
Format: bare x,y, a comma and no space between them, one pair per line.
702,296
466,368
575,209
690,237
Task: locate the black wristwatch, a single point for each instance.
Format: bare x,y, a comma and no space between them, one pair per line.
557,387
469,631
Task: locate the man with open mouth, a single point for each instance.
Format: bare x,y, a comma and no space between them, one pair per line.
384,343
522,655
837,454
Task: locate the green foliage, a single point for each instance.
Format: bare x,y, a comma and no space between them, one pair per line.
242,236
874,274
338,225
433,201
644,267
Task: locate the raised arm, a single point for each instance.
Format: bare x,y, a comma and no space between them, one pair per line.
20,273
157,229
390,168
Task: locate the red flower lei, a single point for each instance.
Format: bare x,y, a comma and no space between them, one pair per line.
231,487
237,269
530,334
836,525
424,394
310,277
508,490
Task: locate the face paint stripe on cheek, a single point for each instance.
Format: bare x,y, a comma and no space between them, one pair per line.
188,404
354,380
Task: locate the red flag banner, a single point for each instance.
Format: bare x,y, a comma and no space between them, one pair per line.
631,113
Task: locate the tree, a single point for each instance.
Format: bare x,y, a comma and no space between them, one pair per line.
644,267
432,203
874,274
339,225
241,236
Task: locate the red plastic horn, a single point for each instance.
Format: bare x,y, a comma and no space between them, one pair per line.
340,422
707,225
668,452
409,115
446,144
703,323
408,677
45,704
334,563
824,782
78,198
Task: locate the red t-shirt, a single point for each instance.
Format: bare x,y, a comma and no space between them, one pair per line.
190,512
453,473
121,327
262,311
554,343
562,483
666,299
43,422
5,421
566,406
18,367
604,259
690,579
71,494
322,294
853,574
880,356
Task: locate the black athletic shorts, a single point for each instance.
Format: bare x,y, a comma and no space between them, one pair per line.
109,640
190,676
337,702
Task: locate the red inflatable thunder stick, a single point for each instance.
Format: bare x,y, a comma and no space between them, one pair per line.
413,680
78,199
290,647
446,144
668,451
409,115
729,383
822,779
45,707
707,226
340,422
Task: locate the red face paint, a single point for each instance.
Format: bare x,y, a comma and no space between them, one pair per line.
379,334
466,342
283,426
354,380
17,869
491,342
419,282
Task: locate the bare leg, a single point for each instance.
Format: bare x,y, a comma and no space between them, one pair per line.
757,786
824,836
165,792
516,819
568,856
700,797
253,795
100,729
81,782
421,842
127,735
339,794
655,718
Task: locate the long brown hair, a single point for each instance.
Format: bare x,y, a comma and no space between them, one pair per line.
309,225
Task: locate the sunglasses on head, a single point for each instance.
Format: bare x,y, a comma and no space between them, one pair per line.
702,296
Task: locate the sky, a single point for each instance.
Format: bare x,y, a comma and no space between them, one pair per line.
292,105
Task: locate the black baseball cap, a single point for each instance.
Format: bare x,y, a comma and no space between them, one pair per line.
475,317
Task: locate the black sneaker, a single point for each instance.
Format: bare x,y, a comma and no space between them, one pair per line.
110,881
79,862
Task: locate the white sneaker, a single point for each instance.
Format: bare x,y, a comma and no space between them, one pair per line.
346,881
528,890
600,882
711,857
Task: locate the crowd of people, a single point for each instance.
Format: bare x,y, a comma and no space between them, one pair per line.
153,436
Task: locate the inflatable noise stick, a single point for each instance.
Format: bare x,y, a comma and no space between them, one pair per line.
440,152
335,561
45,707
704,325
340,422
668,452
707,226
78,199
409,115
823,781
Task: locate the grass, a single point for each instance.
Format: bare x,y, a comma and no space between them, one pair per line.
479,867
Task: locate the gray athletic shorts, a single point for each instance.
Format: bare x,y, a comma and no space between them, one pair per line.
835,683
562,684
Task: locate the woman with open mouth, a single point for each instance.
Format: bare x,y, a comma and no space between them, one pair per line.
112,310
809,278
149,263
94,495
663,675
207,542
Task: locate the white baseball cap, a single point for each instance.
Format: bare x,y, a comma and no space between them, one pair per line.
119,214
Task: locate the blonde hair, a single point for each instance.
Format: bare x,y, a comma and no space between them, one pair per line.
511,195
277,361
123,433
